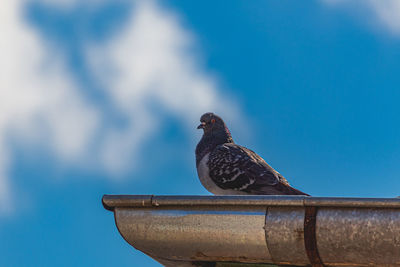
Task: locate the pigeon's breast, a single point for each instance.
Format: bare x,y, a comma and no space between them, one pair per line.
208,183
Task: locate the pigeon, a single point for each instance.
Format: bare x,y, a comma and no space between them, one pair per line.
225,168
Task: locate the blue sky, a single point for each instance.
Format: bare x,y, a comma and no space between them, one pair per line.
103,97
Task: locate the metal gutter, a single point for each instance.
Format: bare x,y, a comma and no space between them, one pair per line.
295,230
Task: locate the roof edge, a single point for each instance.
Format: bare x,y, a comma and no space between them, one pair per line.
112,201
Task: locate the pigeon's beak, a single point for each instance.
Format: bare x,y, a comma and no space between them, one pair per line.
201,126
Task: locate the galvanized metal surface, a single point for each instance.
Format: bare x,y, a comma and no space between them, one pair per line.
231,264
284,229
171,263
259,229
111,201
210,234
363,237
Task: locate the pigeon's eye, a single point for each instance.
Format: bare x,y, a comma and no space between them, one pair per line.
212,120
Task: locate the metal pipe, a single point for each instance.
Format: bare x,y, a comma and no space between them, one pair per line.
295,230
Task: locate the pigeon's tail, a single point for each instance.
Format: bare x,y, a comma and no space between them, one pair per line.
278,189
287,189
293,191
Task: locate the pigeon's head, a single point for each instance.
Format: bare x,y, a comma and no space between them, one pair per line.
215,133
210,122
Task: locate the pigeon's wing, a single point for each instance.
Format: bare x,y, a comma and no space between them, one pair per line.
235,167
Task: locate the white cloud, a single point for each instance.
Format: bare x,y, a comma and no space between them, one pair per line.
37,98
387,12
151,61
65,4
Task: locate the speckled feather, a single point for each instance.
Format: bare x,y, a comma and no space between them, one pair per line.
235,167
230,168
